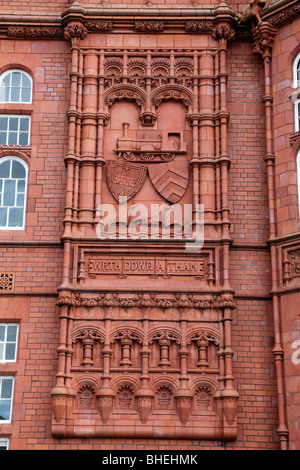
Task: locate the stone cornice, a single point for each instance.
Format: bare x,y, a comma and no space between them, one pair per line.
144,20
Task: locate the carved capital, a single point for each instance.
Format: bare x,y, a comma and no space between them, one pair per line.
263,37
223,31
75,31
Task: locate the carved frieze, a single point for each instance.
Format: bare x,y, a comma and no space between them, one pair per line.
199,26
149,26
35,32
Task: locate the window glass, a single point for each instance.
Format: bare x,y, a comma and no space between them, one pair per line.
8,342
14,130
6,395
13,181
15,87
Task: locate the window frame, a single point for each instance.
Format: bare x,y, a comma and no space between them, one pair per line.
5,361
14,158
19,116
10,72
4,377
4,441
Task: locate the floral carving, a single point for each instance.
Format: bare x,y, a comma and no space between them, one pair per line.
199,26
295,264
223,32
151,300
203,397
34,32
124,95
75,31
125,396
86,396
149,26
164,397
98,26
171,95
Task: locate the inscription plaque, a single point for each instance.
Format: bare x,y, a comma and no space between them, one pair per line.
127,266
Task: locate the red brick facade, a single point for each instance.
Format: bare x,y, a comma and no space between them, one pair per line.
202,354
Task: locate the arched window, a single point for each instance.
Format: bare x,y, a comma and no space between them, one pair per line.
296,72
13,188
298,178
15,87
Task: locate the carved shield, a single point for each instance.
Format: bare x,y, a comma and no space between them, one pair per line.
170,179
124,178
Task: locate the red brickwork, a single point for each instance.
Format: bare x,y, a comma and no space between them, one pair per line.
263,282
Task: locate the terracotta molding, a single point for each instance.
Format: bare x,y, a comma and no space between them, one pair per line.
31,243
263,36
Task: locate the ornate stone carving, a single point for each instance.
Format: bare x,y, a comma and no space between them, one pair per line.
155,300
99,26
164,397
149,26
75,31
35,32
86,396
125,397
295,264
223,31
203,396
284,16
6,281
199,26
170,179
125,179
169,94
263,37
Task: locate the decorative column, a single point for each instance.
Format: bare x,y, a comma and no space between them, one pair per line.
263,35
183,396
144,394
105,394
223,32
88,140
206,136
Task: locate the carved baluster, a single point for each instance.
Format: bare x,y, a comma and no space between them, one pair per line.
87,351
164,344
126,345
202,344
286,268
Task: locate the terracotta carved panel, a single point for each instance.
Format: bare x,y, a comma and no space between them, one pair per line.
145,322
